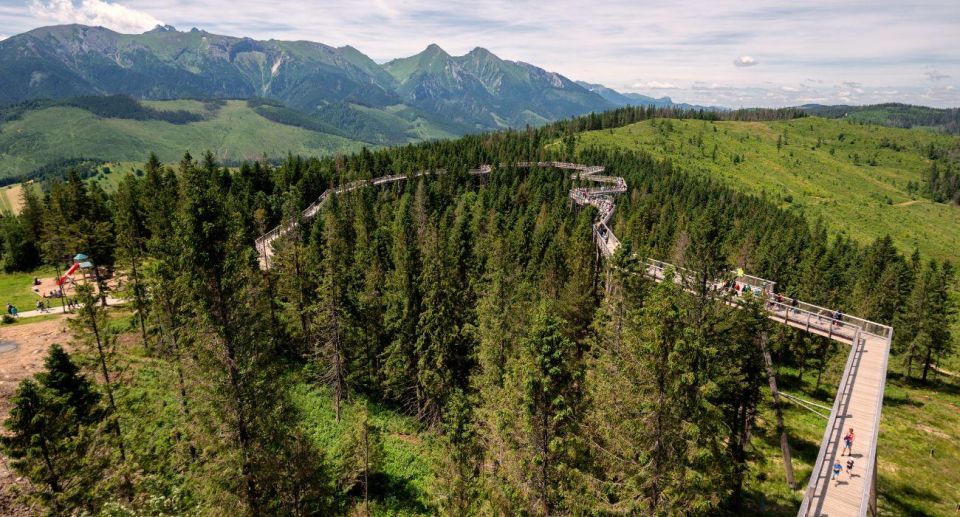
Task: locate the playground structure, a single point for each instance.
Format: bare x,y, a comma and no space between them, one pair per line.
859,398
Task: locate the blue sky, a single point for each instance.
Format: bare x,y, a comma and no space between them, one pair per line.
731,53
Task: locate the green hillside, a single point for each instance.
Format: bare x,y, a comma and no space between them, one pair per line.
232,131
855,177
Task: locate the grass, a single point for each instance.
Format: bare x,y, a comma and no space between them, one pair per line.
918,449
17,288
233,132
55,313
406,470
834,170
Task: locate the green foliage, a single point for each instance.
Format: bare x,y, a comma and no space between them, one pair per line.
454,320
50,437
47,136
894,115
824,185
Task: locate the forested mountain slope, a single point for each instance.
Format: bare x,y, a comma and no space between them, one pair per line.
865,180
894,115
342,86
232,130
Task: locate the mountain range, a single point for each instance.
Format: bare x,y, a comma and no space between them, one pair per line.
339,86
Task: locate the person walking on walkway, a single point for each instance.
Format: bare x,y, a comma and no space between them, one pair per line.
837,467
849,469
848,443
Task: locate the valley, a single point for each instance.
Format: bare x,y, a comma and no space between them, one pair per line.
232,131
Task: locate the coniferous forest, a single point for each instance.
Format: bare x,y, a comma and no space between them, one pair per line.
549,380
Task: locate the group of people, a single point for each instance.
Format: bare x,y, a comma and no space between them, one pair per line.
43,305
847,451
56,293
744,289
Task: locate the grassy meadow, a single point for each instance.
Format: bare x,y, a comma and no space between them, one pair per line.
232,132
852,176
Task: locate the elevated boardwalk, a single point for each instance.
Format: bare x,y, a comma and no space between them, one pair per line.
859,397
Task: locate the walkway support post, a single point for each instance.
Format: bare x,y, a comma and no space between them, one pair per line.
781,428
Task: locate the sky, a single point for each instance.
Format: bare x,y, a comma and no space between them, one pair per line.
719,52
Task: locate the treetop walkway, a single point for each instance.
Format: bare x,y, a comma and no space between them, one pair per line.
859,397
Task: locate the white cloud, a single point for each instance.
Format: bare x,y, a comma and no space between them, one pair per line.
789,89
94,12
3,37
936,75
711,86
653,85
744,61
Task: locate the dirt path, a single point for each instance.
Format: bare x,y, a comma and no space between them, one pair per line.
32,341
908,203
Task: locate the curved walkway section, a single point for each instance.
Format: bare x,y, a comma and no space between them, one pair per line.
860,395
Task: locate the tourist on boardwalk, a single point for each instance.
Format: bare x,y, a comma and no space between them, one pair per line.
849,469
837,467
848,443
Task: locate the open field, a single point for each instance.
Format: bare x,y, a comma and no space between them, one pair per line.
854,177
17,288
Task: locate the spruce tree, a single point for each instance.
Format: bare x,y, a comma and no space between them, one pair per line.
333,327
131,239
92,329
51,429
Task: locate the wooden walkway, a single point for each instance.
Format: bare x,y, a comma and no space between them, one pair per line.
859,397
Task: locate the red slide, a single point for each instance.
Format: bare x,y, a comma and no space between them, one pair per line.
69,272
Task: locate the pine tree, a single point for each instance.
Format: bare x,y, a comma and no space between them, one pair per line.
50,433
291,265
332,319
653,427
442,350
91,328
39,441
924,330
456,490
227,319
740,377
403,308
63,377
131,239
534,440
361,454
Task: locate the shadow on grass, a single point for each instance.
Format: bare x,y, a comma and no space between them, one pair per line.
943,384
895,401
900,498
395,495
758,503
793,384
